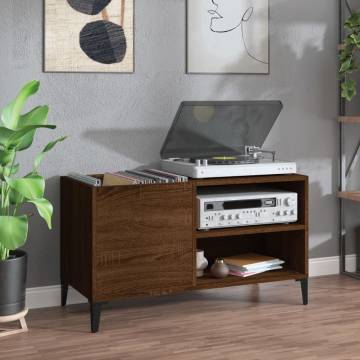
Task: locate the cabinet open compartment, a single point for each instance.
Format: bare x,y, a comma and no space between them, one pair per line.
287,241
296,186
290,247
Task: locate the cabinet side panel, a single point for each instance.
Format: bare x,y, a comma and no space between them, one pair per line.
300,258
297,247
306,216
76,235
144,243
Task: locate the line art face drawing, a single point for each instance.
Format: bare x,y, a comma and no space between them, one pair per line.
228,16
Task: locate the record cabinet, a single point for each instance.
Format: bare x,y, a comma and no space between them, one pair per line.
141,240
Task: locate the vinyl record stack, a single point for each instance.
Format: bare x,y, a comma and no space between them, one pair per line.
144,176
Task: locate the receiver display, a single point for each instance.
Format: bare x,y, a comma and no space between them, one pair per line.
240,204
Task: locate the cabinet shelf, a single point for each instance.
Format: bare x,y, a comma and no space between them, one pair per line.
349,119
280,180
349,195
208,282
248,230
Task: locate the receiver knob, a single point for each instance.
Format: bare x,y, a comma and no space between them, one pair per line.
289,201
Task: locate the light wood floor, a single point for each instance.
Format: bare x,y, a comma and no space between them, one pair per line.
245,323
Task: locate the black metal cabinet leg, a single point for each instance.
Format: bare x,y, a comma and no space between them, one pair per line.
304,283
95,312
64,293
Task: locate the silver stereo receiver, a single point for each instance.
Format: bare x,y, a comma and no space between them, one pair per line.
222,210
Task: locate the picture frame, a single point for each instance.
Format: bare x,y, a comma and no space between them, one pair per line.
227,37
89,36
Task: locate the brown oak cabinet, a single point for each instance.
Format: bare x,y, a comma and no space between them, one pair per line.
141,240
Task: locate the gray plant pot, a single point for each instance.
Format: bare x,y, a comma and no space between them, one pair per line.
13,283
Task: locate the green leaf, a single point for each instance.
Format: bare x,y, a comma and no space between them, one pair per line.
16,139
46,149
353,21
11,114
37,116
346,53
6,157
11,139
346,65
348,89
31,187
15,198
8,171
356,39
349,42
13,231
45,210
5,135
14,170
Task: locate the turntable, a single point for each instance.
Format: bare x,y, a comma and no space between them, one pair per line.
223,139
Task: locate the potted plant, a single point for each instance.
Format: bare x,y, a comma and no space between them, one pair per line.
17,132
348,59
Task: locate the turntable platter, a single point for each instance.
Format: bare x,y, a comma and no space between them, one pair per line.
238,160
224,158
228,160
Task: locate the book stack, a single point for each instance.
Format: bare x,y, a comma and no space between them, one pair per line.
250,264
144,176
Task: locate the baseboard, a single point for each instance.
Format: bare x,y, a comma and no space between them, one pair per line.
49,296
330,265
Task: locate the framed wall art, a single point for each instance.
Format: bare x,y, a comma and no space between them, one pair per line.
89,36
228,36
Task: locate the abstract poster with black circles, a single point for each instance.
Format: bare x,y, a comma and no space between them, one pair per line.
89,36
